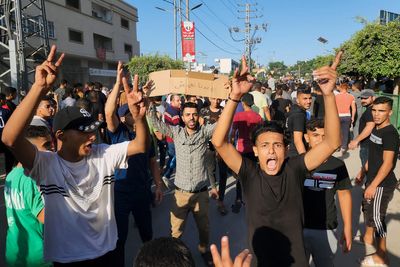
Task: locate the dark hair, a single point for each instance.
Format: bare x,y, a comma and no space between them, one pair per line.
33,131
257,86
83,103
164,252
90,84
9,90
98,85
279,92
383,100
47,98
190,105
248,99
78,85
303,89
315,123
64,82
2,96
270,126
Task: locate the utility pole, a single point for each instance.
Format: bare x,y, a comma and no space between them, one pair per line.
175,32
24,40
249,31
187,10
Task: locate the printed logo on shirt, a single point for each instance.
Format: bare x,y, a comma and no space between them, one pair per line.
320,181
85,113
375,139
14,199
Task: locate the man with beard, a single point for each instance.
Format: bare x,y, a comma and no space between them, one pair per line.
191,179
272,189
365,128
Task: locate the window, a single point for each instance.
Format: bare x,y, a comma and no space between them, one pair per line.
73,3
124,23
101,41
75,36
50,29
102,13
128,49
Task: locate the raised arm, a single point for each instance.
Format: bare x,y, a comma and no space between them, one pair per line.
138,110
111,104
326,77
241,84
13,132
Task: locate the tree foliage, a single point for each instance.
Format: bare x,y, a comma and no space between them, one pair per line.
144,65
278,68
373,51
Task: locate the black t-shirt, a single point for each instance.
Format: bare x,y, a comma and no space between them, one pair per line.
320,187
380,140
296,121
209,116
319,108
275,212
365,117
11,105
278,108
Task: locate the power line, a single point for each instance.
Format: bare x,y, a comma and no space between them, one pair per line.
215,15
230,10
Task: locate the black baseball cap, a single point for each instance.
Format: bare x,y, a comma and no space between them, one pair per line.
75,118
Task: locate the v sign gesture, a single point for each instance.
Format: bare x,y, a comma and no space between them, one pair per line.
134,98
46,73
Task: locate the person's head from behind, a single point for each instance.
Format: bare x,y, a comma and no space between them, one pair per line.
278,93
93,96
304,97
63,83
315,132
75,129
40,137
164,252
45,109
190,115
175,101
269,145
247,100
10,92
191,98
257,86
382,110
214,102
83,103
125,115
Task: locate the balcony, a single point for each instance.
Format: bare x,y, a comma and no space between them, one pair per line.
101,13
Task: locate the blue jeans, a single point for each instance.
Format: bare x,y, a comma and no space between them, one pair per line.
171,164
322,245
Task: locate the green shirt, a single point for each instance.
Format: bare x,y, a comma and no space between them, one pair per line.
24,244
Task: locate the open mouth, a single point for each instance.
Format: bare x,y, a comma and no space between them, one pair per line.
271,164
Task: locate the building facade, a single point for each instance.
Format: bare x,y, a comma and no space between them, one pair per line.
94,35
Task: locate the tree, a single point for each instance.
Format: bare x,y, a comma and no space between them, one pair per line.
277,67
374,51
144,65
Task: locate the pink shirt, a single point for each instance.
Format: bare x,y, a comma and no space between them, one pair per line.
343,103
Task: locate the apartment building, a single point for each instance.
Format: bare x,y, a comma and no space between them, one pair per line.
94,35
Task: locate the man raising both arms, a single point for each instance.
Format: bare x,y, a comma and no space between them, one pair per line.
273,189
77,181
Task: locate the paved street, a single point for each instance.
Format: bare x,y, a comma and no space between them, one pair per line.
234,225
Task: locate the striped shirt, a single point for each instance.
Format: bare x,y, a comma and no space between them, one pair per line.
191,172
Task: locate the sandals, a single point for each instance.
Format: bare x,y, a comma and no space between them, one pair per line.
207,258
368,261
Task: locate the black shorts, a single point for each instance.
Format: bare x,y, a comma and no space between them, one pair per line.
375,210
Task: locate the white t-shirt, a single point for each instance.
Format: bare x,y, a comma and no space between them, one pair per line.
79,202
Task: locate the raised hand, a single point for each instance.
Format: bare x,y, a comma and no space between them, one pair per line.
326,76
120,73
46,73
135,98
224,259
243,82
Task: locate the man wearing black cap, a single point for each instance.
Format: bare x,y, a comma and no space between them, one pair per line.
365,128
77,180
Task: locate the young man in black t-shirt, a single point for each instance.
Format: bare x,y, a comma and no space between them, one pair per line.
320,216
381,180
296,121
273,188
365,126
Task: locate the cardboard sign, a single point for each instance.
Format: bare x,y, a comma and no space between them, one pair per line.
189,83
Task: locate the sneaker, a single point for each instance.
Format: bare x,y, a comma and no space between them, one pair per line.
168,184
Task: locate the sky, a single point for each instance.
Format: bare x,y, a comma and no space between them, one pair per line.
292,32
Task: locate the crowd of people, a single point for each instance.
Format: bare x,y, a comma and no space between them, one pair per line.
80,160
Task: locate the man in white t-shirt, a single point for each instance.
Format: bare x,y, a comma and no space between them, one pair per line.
260,102
77,181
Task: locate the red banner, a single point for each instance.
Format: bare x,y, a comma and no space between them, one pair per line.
188,51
